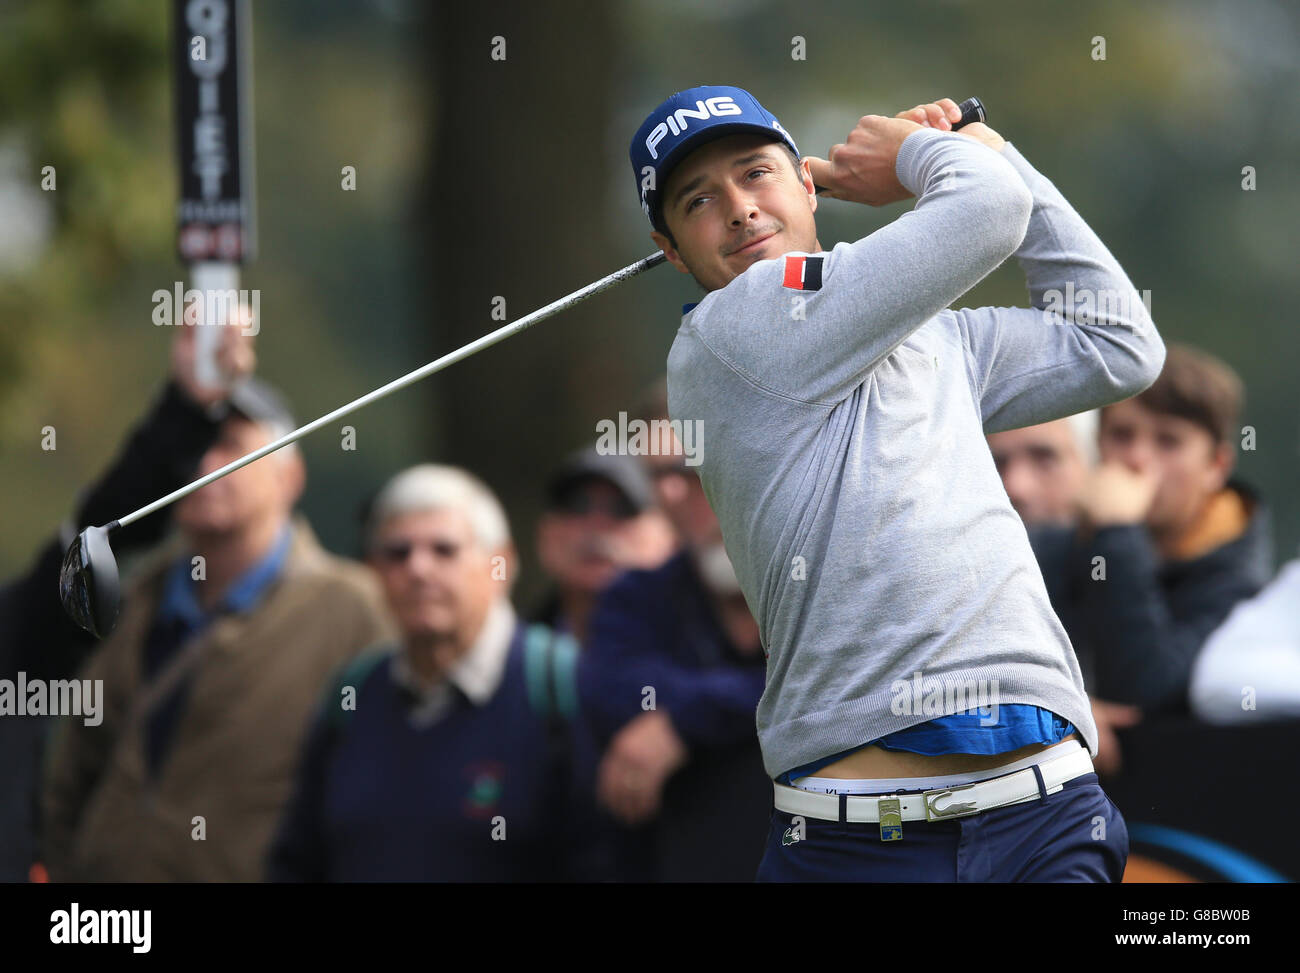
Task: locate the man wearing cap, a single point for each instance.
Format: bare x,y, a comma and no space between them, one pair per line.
924,717
224,645
600,520
669,678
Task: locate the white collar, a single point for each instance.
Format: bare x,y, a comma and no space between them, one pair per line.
479,671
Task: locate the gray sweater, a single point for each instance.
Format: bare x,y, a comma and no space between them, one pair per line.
844,451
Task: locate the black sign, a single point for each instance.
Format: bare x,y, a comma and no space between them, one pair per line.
216,215
1209,803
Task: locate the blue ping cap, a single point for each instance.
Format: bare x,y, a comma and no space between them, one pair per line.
683,123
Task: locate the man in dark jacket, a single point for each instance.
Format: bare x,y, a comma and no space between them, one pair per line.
1168,542
671,675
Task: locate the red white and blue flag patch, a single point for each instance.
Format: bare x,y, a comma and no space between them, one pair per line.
803,273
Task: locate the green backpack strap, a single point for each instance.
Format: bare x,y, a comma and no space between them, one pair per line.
550,672
353,673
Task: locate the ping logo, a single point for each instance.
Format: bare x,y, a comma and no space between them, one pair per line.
803,273
676,122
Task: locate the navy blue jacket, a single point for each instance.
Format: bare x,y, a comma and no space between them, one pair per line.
1137,633
658,629
380,800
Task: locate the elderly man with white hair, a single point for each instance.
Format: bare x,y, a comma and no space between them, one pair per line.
453,755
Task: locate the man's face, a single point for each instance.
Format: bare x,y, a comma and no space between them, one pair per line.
439,580
1183,454
265,488
728,194
1042,470
592,536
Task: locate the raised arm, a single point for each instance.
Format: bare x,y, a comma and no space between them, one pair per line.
1087,341
817,345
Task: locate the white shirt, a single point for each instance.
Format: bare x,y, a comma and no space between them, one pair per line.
1249,668
477,673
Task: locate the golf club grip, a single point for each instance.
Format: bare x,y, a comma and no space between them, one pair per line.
972,110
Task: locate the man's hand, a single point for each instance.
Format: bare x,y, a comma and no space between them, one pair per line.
639,760
1109,717
235,355
1114,495
945,113
861,169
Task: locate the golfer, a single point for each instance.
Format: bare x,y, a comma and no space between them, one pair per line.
924,718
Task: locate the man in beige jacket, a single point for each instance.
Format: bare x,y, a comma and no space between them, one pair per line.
224,646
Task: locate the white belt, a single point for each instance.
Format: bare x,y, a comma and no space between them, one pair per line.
941,803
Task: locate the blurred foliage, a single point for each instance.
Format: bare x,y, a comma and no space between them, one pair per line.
357,287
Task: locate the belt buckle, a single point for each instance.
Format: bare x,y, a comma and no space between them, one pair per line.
890,813
952,809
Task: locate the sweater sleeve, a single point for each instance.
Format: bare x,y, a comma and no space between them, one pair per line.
1088,339
816,345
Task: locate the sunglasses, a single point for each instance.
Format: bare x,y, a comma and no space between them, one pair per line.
399,551
580,503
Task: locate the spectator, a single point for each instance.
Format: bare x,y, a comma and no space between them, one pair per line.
452,763
1168,542
1249,668
1044,469
672,674
223,647
600,520
36,638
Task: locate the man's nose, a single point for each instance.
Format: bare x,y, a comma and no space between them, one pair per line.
421,562
1138,455
741,205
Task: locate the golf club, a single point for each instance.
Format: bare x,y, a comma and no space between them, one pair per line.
88,580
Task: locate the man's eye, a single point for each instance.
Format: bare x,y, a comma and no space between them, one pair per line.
691,205
752,171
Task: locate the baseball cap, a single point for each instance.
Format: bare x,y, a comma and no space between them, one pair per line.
623,472
683,123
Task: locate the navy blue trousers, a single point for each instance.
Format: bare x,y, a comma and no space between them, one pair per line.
1074,835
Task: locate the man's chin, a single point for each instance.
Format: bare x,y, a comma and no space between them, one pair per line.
427,627
204,528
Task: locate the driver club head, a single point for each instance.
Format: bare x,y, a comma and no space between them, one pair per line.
88,581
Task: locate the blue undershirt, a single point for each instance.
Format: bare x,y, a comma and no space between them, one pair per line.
1018,725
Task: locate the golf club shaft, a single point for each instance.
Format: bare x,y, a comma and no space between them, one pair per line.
631,270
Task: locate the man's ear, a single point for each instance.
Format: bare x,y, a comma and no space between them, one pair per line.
810,187
670,251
